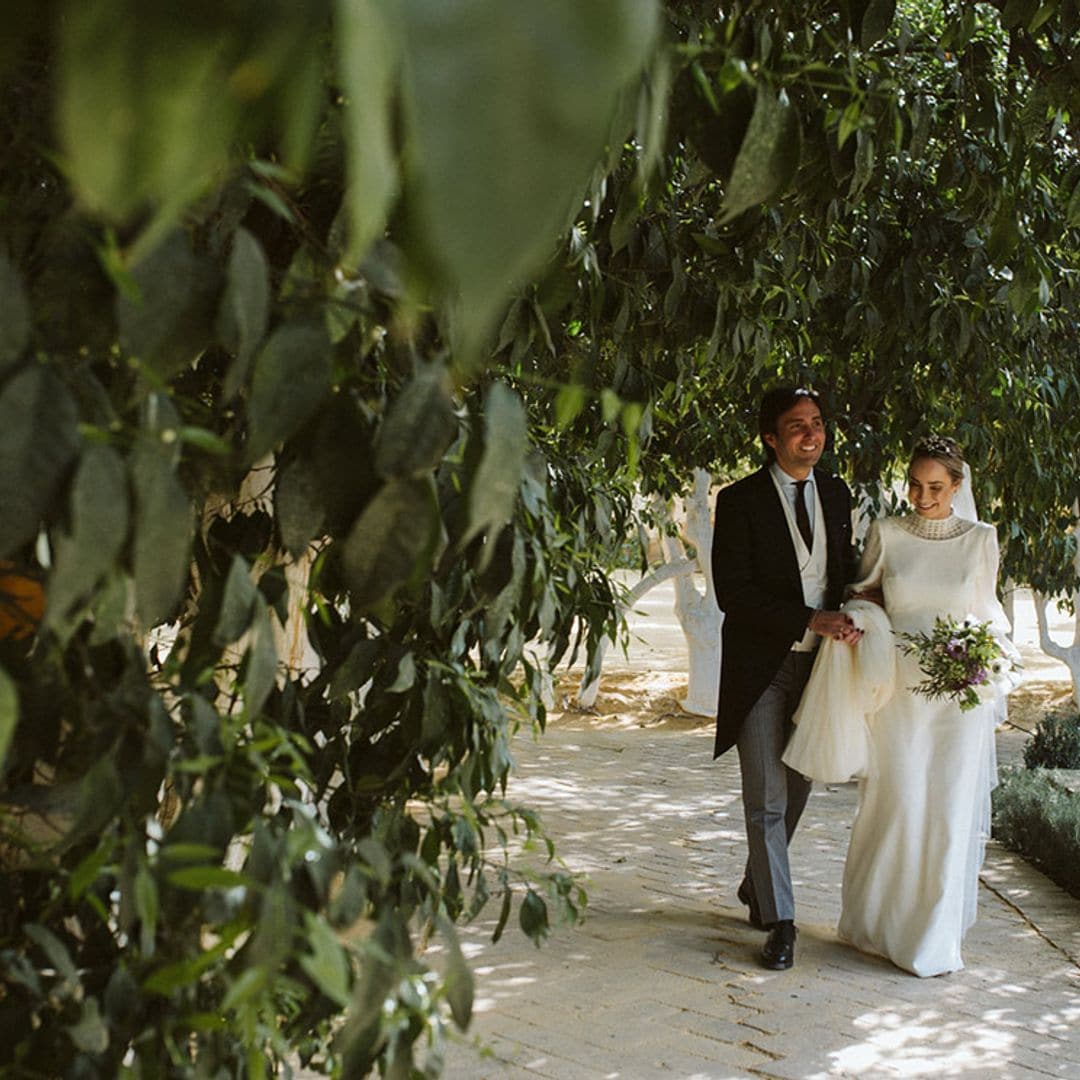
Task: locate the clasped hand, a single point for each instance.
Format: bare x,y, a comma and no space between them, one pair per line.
835,624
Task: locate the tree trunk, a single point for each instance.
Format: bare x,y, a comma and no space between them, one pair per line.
1067,654
587,691
697,612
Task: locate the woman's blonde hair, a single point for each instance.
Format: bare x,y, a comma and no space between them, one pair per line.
943,449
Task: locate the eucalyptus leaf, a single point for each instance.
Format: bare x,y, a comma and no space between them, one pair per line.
14,314
457,978
38,441
494,486
327,963
768,156
298,505
163,528
100,510
9,715
487,202
261,669
355,669
169,320
419,425
876,21
236,604
292,377
388,539
245,305
90,1034
367,57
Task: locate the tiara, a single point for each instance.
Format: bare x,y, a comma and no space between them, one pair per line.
938,445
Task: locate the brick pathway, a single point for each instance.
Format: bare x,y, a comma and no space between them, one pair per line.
662,980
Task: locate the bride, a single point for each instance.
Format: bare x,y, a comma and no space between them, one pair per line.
912,869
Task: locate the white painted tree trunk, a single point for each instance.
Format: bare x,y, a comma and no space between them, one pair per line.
587,691
1067,654
697,612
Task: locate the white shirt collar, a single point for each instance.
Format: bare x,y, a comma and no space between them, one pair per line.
785,478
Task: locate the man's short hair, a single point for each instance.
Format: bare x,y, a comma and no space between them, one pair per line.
774,404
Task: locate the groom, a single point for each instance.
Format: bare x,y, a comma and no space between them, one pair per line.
781,556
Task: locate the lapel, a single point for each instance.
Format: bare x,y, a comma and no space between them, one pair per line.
830,510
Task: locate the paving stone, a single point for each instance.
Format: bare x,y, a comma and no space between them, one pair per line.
662,979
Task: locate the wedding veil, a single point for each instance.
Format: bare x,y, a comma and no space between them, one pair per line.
963,503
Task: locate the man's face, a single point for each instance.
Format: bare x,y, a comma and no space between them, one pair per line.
799,439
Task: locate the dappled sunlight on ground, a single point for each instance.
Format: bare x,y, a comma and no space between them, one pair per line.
662,977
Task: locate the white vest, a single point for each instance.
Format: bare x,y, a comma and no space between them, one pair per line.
813,566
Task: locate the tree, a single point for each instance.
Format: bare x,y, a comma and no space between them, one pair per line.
249,259
283,297
881,203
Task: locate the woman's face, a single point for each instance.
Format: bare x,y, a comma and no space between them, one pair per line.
931,488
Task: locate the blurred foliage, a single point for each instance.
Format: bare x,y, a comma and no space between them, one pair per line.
363,328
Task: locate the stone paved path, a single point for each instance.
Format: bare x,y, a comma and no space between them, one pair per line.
661,979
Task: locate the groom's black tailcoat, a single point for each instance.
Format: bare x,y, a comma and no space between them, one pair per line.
759,589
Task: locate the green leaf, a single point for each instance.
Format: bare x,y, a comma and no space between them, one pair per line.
768,156
504,914
261,670
457,978
197,878
85,874
355,670
1073,210
9,714
38,440
298,505
405,677
292,377
419,425
534,916
487,207
147,907
245,305
569,402
250,984
162,532
170,322
849,121
236,604
100,509
876,21
388,539
55,951
494,487
367,57
326,964
90,1034
14,314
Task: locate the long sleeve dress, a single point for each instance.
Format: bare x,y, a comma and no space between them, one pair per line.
912,870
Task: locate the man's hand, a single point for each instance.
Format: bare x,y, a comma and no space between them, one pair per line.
835,624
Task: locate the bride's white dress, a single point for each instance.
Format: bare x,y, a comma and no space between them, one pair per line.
912,870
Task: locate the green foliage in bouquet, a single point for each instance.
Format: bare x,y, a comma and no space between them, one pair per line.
957,658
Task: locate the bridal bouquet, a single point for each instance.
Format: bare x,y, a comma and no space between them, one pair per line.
961,660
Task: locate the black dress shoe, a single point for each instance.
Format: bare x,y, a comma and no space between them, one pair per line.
778,953
747,897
